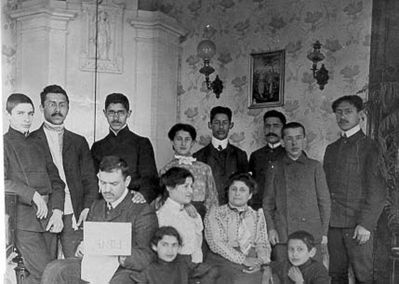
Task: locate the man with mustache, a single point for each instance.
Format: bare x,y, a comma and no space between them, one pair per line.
224,158
357,193
71,155
266,157
137,151
296,195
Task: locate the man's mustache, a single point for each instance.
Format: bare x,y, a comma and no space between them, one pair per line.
343,120
115,121
57,114
271,135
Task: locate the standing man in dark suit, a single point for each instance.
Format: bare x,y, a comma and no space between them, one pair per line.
357,194
71,155
30,173
137,151
265,157
116,206
224,158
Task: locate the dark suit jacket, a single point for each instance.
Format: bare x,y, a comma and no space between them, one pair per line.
78,166
297,198
137,152
28,168
144,223
224,164
259,162
357,190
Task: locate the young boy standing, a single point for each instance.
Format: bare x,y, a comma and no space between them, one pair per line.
169,266
300,268
30,173
296,194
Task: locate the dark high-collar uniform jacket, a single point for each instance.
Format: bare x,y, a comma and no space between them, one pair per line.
137,151
259,162
357,190
223,164
78,167
296,198
28,168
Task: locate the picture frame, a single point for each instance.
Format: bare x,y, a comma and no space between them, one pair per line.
266,86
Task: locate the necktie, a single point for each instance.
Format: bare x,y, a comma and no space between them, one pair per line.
220,148
108,209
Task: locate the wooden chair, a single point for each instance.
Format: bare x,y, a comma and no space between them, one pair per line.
11,213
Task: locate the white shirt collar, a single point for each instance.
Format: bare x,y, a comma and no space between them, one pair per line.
116,132
173,204
120,199
274,146
216,142
351,131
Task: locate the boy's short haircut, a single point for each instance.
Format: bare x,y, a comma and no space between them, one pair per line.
182,126
220,109
292,125
117,98
55,89
110,164
15,99
275,113
305,237
354,100
165,231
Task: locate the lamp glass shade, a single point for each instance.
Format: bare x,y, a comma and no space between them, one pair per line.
206,49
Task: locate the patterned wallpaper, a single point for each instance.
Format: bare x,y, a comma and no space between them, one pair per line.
241,27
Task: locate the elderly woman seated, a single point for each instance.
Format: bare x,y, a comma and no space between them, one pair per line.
237,235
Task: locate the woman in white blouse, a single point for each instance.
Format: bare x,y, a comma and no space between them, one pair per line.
237,235
177,194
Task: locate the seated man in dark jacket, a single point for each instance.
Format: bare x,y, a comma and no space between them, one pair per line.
116,206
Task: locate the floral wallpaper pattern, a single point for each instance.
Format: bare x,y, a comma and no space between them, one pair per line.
241,27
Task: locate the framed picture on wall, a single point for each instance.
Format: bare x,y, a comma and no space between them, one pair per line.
266,86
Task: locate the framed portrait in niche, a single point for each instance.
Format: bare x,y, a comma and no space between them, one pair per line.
266,85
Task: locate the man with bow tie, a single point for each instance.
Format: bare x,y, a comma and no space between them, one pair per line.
223,158
205,195
71,155
357,194
116,206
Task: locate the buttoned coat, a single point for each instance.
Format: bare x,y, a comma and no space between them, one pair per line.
259,161
357,190
28,169
236,160
78,167
137,151
297,198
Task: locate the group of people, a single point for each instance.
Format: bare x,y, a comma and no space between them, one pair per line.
206,217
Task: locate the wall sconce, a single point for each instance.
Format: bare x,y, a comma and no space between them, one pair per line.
321,75
206,49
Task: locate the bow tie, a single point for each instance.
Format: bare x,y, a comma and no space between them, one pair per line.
185,160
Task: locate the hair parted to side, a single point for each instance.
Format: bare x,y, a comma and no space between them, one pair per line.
354,100
221,109
305,237
15,99
292,125
111,164
277,114
117,98
184,127
165,231
54,89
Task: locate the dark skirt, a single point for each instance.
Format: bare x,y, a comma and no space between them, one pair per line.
232,273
